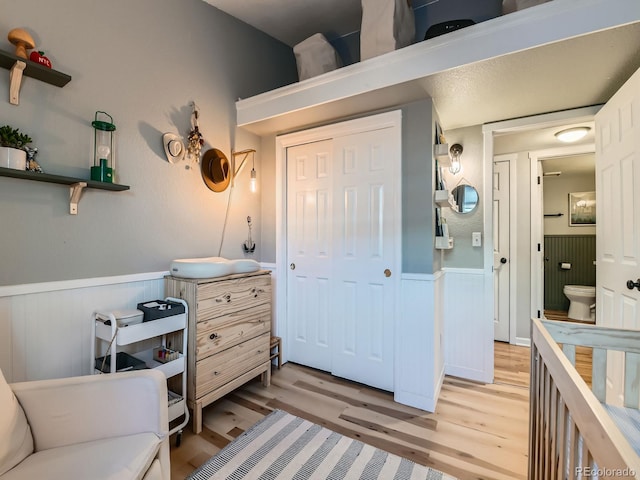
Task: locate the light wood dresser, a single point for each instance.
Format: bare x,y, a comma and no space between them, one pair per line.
228,336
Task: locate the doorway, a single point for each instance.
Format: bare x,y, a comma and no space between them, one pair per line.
518,138
562,251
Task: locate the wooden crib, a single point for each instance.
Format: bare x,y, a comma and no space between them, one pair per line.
572,433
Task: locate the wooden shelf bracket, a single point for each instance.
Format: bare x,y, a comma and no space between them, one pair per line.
75,191
15,81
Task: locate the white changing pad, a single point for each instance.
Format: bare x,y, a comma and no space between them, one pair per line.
210,267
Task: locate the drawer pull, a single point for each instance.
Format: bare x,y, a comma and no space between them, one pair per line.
213,336
257,292
216,373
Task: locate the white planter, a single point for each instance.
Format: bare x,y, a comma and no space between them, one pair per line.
13,158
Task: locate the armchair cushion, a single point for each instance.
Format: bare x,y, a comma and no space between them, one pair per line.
17,442
111,458
72,410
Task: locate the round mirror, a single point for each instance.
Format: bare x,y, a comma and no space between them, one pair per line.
466,198
215,169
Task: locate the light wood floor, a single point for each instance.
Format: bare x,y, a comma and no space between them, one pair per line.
477,432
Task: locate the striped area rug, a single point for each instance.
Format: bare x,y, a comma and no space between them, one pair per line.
283,446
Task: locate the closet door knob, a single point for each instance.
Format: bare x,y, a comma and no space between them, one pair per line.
503,260
387,272
292,266
631,284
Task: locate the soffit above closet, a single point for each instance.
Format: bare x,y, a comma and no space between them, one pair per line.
555,56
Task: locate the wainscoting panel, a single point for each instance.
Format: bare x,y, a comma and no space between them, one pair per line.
419,355
577,250
465,346
45,329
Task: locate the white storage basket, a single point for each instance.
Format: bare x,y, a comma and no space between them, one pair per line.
387,25
315,56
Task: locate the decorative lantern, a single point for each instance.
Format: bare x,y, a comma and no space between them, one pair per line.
103,158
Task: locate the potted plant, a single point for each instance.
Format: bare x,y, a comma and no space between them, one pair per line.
12,153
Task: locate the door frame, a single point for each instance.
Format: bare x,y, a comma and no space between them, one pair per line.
340,128
489,130
537,220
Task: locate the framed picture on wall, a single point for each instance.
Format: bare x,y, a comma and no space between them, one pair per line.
582,209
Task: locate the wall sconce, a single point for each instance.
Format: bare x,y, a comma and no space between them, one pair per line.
253,182
249,246
455,151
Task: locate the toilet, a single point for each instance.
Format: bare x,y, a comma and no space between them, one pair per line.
582,298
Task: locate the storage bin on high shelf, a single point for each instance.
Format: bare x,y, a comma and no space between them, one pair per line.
228,336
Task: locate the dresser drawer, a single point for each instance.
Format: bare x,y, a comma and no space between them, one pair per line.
216,370
220,333
219,298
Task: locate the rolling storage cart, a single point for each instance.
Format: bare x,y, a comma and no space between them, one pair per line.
164,347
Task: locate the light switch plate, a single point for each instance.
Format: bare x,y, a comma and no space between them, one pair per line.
476,239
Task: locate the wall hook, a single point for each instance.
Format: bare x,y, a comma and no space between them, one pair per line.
249,246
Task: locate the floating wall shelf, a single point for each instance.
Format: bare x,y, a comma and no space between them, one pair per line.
21,66
76,185
441,152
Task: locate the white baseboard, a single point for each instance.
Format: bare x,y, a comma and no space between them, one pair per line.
523,341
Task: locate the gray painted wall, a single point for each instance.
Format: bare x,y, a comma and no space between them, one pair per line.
418,133
144,70
463,255
556,200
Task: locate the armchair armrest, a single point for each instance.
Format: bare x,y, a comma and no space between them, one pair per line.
66,411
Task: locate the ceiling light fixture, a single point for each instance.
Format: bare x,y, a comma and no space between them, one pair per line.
572,134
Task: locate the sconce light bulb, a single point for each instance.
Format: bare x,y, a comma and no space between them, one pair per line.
455,166
103,151
456,152
253,183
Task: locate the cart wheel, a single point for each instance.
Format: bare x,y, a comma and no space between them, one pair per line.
178,438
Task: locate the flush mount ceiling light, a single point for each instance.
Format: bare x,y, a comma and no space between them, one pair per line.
572,134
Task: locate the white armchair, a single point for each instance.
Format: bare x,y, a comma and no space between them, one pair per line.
91,427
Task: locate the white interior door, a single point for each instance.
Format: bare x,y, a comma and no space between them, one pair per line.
618,219
501,260
343,236
365,173
309,213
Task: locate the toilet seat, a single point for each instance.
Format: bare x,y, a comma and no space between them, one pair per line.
585,290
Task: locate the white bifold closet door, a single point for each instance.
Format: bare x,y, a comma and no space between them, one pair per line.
342,237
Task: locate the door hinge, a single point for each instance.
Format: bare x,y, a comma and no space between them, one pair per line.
539,248
538,179
538,313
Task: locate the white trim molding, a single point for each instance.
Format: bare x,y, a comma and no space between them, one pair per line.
30,288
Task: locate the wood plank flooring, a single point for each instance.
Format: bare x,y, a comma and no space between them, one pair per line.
477,432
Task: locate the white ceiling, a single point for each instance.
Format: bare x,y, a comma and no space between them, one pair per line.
292,21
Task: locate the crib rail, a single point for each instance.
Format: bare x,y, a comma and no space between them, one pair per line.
571,435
